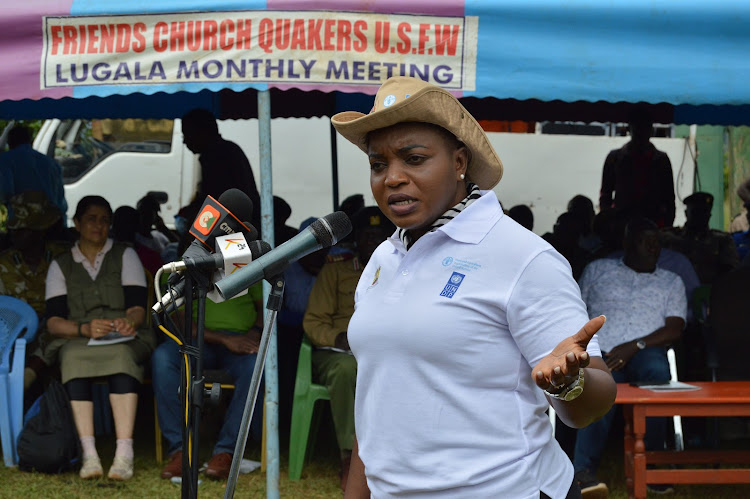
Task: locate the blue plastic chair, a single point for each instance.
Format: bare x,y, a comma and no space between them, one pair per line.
18,325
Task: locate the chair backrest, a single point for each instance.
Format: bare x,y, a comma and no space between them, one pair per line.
16,318
701,297
304,365
730,323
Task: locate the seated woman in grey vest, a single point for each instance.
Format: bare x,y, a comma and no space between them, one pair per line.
97,288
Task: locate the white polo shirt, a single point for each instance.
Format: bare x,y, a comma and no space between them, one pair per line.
445,338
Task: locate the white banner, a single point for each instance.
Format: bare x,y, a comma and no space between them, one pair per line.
283,47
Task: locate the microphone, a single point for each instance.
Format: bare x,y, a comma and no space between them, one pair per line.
245,252
219,218
215,219
323,233
201,260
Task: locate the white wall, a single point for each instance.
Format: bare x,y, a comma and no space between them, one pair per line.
542,171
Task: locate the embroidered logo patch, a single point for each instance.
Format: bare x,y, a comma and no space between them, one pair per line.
452,285
377,276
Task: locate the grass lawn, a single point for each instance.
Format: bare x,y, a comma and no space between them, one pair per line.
319,477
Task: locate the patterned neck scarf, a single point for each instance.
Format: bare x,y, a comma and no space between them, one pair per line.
446,217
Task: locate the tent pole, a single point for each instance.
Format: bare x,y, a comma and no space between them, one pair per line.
271,403
334,169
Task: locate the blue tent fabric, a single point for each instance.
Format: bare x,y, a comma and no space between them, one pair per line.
690,55
687,52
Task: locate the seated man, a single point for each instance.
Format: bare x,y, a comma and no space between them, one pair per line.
329,309
645,308
24,265
231,339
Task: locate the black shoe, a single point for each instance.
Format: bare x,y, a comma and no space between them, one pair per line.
660,488
591,487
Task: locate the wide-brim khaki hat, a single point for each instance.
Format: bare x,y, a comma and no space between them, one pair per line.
402,99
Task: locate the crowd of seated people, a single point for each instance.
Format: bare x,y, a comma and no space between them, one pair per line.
110,251
95,284
694,254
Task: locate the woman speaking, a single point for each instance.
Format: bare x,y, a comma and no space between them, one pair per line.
463,322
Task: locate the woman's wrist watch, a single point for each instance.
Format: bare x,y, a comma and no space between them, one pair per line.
571,391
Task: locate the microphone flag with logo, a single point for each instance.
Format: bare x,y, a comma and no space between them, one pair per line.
214,220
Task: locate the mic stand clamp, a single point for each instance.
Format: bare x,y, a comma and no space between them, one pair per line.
273,305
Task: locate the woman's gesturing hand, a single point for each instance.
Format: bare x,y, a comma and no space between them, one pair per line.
560,367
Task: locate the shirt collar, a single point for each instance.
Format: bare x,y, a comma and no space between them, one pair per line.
476,220
470,226
78,257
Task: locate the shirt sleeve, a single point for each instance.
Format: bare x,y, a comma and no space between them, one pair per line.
545,307
585,281
132,269
55,284
676,300
321,307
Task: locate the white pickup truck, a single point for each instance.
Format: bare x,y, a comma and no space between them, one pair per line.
122,160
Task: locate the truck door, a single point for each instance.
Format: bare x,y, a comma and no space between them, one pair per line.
120,160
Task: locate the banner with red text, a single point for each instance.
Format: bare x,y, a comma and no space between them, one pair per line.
282,47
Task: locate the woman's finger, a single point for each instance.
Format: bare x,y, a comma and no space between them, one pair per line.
589,330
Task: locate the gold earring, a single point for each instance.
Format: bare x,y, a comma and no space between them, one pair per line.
461,176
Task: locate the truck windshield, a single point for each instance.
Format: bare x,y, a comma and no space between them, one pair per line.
82,144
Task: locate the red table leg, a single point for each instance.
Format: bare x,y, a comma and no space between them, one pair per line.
639,452
629,442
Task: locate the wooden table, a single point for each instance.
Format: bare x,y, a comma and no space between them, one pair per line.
723,398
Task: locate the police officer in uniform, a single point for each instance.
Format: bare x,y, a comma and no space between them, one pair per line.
712,252
329,308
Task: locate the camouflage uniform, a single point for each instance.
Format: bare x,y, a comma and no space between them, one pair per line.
19,280
30,210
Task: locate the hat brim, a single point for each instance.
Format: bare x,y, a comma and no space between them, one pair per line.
43,223
438,107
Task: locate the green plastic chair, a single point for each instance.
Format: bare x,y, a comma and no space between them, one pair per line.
304,416
701,299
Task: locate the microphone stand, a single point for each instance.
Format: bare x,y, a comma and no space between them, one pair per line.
273,305
190,431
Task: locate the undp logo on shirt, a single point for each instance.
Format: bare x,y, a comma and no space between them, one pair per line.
205,222
451,287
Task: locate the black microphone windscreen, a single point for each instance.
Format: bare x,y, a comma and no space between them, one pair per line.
252,233
237,203
331,229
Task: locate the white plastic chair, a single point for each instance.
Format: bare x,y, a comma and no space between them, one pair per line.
677,420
